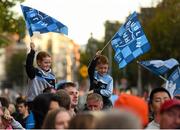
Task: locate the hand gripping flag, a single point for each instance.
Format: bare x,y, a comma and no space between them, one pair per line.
129,42
36,21
174,77
159,67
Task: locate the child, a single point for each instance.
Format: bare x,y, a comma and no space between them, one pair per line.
40,77
100,81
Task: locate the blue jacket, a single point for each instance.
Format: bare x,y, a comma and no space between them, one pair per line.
30,121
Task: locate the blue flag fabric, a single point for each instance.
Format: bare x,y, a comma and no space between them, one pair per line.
129,42
37,21
159,67
175,78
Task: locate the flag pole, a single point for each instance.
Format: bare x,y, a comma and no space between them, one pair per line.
108,42
150,71
106,45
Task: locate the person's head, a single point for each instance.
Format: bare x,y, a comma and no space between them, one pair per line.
102,65
134,104
71,89
65,100
4,102
157,97
49,90
84,120
170,114
22,105
94,102
60,100
57,119
119,119
12,108
44,60
41,108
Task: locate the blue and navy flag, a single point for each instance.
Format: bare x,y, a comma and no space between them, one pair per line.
175,78
36,21
130,41
159,67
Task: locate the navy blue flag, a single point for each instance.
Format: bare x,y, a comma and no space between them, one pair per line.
159,67
130,41
36,21
175,78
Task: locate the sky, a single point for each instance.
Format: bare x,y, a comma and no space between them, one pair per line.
83,17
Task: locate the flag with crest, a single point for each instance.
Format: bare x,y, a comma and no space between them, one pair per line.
130,41
37,21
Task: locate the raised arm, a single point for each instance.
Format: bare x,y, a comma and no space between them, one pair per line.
91,69
30,70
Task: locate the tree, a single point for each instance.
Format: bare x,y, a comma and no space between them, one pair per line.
9,21
163,29
161,25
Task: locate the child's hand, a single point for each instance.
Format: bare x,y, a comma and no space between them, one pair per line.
98,53
32,45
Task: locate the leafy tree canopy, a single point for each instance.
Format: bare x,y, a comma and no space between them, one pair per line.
10,22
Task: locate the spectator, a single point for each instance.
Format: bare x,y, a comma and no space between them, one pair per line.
25,117
40,77
100,81
40,108
49,90
61,99
12,109
170,114
65,100
121,119
4,102
84,120
7,121
94,102
57,119
157,97
71,89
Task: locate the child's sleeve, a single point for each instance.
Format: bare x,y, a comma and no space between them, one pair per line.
30,70
91,70
107,92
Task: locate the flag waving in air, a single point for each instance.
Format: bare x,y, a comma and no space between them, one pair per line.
174,77
159,67
130,41
36,21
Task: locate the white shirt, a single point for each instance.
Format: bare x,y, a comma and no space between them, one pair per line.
153,125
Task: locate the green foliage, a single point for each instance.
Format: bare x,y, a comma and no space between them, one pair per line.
163,29
9,21
15,68
92,47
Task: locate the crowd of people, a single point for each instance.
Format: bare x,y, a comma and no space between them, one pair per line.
48,105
